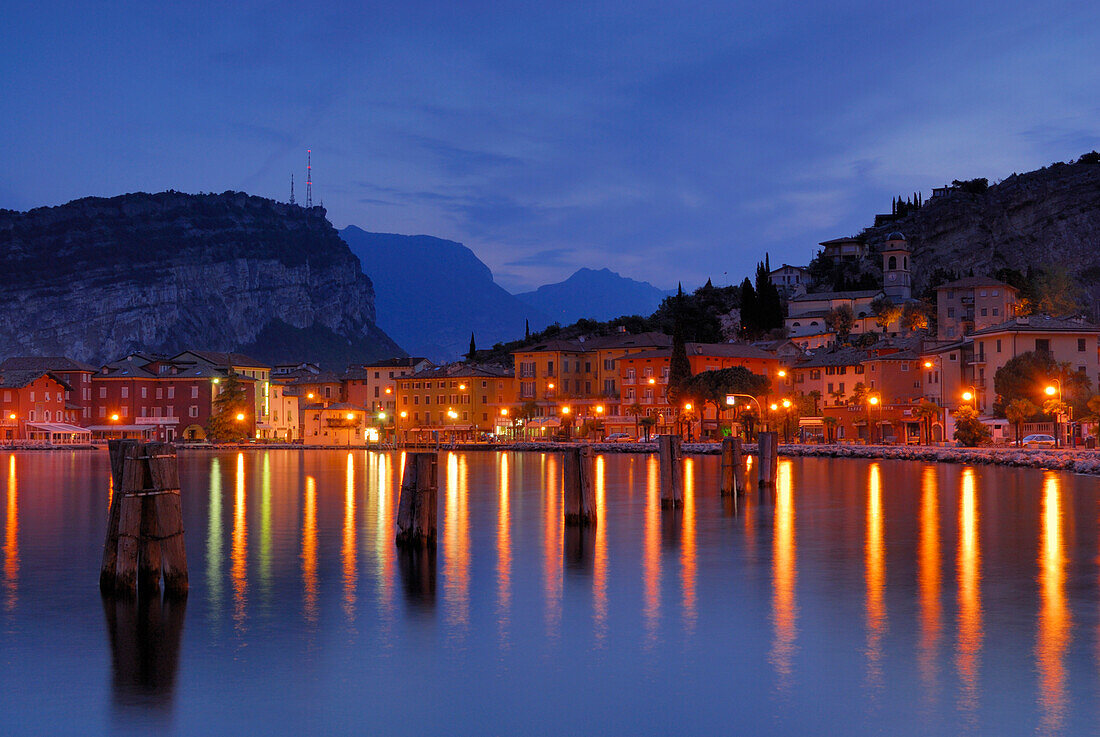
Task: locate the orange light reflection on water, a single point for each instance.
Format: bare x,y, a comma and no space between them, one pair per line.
929,583
687,548
784,578
504,551
969,571
1054,616
238,552
874,554
348,549
384,523
309,552
652,554
599,568
11,540
553,543
456,549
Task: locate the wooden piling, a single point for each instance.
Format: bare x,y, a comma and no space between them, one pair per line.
768,446
580,496
145,524
416,512
733,468
117,450
672,494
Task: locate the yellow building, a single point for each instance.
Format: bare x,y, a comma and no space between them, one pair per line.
581,373
454,402
1068,340
374,385
340,423
974,303
282,421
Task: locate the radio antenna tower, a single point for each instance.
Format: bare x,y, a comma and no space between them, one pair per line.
309,178
292,188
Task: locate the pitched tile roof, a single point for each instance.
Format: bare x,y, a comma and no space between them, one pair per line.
44,363
1041,324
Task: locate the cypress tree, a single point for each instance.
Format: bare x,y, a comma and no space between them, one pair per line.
679,367
473,349
749,312
527,330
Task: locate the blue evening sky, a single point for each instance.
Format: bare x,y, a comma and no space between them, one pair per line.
668,141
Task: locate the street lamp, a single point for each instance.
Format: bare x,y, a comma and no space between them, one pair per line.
240,416
1050,391
872,402
731,399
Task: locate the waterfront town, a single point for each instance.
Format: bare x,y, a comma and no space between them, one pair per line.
855,366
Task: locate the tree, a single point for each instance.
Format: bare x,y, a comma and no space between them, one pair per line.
679,367
859,392
714,386
815,395
635,410
647,422
750,309
769,313
473,349
928,413
915,316
1019,411
885,312
231,403
1057,292
1028,374
841,320
830,428
969,430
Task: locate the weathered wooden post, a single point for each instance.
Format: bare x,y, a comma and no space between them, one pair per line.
768,457
416,512
672,494
580,496
117,450
733,469
145,524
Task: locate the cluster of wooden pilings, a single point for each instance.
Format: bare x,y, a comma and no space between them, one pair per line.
417,509
144,551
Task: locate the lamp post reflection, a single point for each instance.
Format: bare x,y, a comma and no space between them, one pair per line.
238,552
874,553
504,551
309,553
652,554
929,582
969,571
11,539
553,544
348,552
1054,617
784,579
456,550
687,547
599,577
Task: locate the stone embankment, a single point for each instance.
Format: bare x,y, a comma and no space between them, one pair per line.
1078,461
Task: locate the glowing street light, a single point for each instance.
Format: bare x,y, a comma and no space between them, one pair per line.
550,385
782,373
599,409
652,380
1051,391
687,406
389,390
786,403
504,412
773,407
114,418
452,414
240,416
11,416
404,414
349,415
309,396
462,387
217,380
873,400
381,415
566,410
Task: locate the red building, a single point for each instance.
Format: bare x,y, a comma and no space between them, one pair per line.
32,403
75,375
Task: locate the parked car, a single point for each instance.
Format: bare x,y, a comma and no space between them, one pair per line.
619,437
1038,441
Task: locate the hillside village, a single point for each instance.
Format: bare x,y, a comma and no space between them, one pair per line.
855,365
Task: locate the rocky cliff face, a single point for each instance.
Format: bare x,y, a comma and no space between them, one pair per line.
96,278
1049,216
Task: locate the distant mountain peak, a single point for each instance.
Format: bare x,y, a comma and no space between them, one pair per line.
597,294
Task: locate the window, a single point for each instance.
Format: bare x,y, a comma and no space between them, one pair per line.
193,411
1042,345
983,292
102,411
125,392
985,312
160,393
1081,345
905,367
171,392
998,345
996,311
995,293
144,393
195,392
549,368
950,311
893,264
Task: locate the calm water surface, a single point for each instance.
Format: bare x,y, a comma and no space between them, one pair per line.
859,597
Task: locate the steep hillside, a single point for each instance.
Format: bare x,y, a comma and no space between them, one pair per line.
432,293
596,295
98,277
1049,216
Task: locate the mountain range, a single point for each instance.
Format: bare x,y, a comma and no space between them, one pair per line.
596,295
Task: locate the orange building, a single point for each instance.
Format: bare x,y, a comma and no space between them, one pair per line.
644,378
374,385
454,402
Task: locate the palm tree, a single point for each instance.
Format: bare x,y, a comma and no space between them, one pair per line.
635,410
1019,411
648,422
837,396
927,412
830,428
815,394
859,393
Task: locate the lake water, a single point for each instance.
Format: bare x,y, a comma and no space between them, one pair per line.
858,597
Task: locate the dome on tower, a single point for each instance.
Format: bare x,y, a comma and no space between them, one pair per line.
895,236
